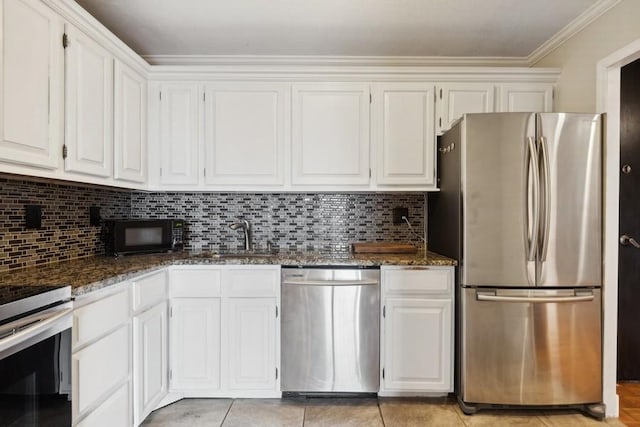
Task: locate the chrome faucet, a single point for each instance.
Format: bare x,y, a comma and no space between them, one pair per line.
244,224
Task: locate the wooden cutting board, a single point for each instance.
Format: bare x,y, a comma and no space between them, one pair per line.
383,248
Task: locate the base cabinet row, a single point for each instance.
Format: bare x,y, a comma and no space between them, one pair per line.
213,331
417,330
224,331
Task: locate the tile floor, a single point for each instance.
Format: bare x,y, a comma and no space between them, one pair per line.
332,412
629,394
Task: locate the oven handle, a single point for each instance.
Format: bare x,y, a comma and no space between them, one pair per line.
55,321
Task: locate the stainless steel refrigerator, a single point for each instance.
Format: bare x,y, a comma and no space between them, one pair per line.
520,208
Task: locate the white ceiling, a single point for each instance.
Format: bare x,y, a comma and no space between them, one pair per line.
451,28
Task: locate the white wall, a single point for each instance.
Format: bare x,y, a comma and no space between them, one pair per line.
576,91
610,36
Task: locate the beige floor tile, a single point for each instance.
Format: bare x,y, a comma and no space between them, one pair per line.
190,412
265,412
323,412
501,418
408,412
569,419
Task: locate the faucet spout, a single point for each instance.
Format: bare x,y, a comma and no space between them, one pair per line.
246,228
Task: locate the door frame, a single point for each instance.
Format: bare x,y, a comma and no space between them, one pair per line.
608,101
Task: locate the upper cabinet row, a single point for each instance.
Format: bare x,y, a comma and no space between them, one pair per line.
322,135
69,107
78,105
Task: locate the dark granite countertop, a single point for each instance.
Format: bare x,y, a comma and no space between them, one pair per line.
89,274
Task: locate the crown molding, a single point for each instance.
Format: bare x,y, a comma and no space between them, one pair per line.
334,61
571,29
74,14
300,73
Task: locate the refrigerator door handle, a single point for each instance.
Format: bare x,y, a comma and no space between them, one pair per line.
527,299
547,198
531,237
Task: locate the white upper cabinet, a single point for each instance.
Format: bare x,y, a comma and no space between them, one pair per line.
89,105
130,124
457,99
330,142
245,133
31,127
179,133
525,97
403,133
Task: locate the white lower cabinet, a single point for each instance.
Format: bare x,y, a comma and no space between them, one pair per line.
195,344
115,411
101,358
417,330
251,343
224,335
150,363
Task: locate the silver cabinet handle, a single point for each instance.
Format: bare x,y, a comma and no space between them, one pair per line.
496,298
627,240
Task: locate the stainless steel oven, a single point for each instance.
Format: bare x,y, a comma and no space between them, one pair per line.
35,356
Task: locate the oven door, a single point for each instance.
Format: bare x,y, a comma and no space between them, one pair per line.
35,369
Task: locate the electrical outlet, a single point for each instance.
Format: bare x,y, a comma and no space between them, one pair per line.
32,216
94,216
398,213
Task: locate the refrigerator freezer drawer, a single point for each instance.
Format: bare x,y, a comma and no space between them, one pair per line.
531,347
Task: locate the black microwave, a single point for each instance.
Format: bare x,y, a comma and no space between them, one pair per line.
127,236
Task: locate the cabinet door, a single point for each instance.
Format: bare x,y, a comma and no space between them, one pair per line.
457,99
330,143
418,345
195,344
31,84
98,369
245,133
130,124
251,343
150,360
179,136
88,105
526,97
404,133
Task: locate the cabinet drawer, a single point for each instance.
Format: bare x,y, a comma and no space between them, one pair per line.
251,282
149,290
418,280
115,411
94,320
195,283
99,368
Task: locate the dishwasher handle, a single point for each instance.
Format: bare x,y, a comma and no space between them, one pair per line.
330,282
544,299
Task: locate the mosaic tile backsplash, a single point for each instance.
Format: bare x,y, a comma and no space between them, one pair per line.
293,222
65,233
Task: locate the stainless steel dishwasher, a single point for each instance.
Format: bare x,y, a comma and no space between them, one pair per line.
330,330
